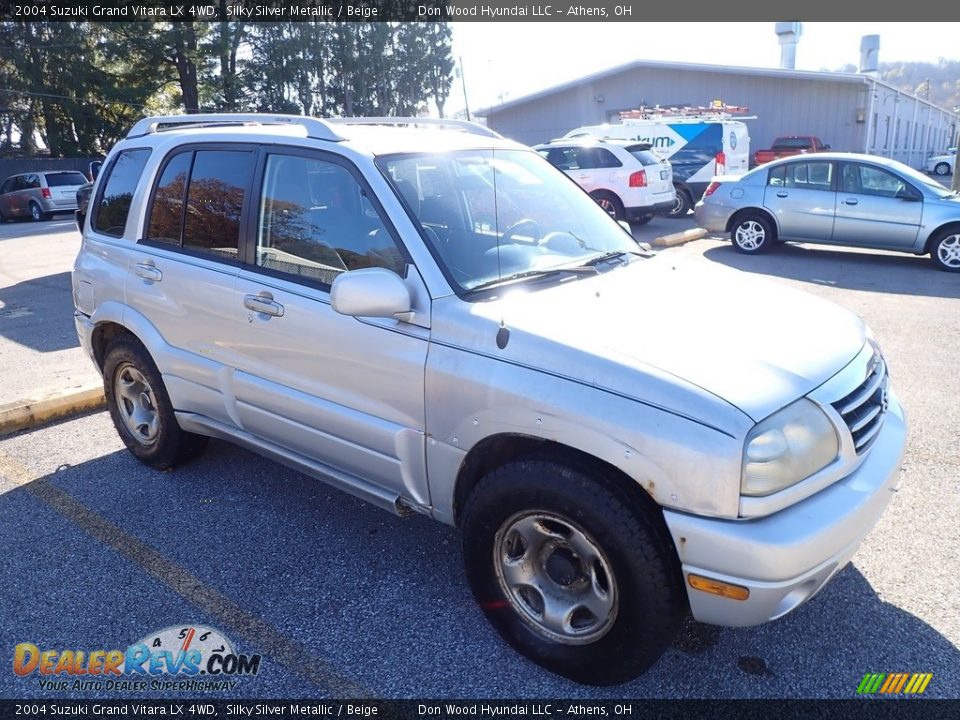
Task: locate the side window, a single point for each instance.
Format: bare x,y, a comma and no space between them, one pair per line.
587,159
809,175
563,158
874,181
606,159
317,222
776,176
31,181
166,211
110,215
7,186
218,184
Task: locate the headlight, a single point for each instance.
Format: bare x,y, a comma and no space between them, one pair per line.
787,447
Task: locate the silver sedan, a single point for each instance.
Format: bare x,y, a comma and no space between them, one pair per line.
837,199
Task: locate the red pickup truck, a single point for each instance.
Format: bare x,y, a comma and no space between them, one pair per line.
790,145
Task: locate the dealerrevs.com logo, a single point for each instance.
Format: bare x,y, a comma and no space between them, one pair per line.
182,657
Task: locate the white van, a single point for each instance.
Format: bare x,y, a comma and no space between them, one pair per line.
697,146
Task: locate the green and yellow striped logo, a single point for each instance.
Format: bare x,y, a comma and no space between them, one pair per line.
894,683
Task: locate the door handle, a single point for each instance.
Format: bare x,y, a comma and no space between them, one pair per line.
851,201
782,193
148,271
263,303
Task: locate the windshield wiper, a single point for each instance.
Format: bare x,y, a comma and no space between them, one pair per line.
526,274
603,257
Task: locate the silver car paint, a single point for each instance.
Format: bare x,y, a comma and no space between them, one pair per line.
884,223
629,366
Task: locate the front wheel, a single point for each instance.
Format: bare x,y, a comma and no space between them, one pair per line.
752,234
571,571
141,410
942,168
945,250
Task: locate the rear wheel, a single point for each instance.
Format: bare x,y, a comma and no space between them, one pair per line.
752,233
942,168
682,206
610,203
945,250
36,214
571,570
141,410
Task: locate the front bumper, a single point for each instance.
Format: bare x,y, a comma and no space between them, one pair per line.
784,559
85,329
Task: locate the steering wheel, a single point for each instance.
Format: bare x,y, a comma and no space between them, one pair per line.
532,228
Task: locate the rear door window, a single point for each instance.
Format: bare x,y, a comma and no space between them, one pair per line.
198,201
113,207
646,157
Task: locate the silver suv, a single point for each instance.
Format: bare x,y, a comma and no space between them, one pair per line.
433,318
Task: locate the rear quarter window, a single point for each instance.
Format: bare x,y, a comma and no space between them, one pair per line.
122,177
646,157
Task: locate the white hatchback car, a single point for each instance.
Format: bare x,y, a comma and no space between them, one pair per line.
628,180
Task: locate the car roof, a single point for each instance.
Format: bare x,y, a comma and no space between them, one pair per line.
374,136
807,157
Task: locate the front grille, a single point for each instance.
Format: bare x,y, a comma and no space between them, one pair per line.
863,410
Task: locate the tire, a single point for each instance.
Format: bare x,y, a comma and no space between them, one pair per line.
635,581
36,214
611,203
945,250
682,207
752,234
643,220
155,437
942,168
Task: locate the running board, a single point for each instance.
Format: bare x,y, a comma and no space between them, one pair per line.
351,484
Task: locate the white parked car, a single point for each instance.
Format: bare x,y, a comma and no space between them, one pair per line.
433,318
627,179
942,164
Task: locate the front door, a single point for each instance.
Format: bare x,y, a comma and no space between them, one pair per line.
876,208
345,391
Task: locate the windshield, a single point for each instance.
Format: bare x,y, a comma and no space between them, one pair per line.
499,215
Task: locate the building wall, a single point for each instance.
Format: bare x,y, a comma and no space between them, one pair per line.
837,111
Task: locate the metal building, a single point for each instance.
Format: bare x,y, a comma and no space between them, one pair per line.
854,112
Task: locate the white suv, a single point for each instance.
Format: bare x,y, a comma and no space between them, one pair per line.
628,180
441,323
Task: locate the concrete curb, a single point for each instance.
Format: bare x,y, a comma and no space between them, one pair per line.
23,414
680,238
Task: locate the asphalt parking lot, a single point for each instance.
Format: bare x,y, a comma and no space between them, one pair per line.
342,599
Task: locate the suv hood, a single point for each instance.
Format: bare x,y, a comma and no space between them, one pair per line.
754,344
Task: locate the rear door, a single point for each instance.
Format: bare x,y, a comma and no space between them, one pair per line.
183,272
803,198
876,208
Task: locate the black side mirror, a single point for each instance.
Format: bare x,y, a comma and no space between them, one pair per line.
907,194
95,169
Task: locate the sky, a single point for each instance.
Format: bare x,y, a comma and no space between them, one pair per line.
509,60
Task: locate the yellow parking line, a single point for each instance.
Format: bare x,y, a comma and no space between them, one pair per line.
260,634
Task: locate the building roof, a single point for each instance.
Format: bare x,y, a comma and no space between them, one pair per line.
822,75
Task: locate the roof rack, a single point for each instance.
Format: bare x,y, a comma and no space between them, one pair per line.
715,111
315,127
442,123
